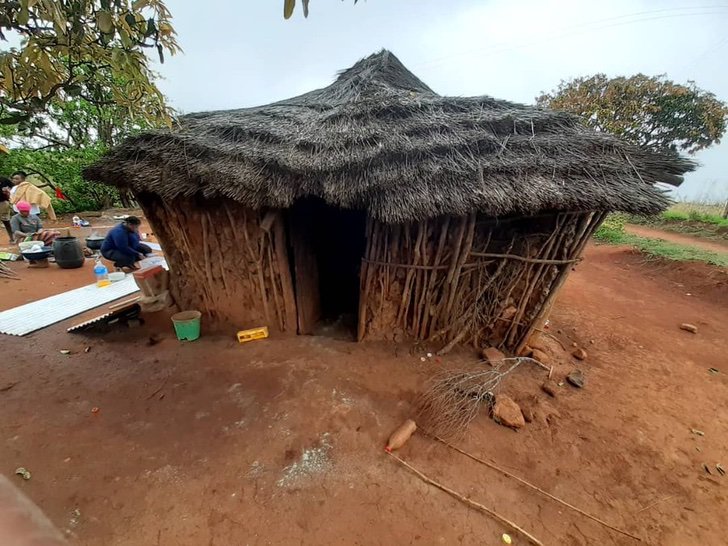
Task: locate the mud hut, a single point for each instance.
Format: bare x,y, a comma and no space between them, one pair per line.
449,219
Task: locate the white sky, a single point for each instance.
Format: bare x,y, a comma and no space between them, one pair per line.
241,53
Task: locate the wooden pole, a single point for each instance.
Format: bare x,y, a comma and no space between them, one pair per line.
592,223
538,489
284,272
366,271
473,504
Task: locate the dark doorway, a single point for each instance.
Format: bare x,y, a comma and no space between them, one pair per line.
328,244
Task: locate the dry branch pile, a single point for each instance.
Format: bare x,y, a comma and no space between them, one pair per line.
454,398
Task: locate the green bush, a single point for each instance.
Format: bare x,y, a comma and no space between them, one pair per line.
612,229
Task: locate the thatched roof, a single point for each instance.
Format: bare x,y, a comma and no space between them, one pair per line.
379,139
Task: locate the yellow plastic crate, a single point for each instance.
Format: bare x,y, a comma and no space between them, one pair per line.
252,334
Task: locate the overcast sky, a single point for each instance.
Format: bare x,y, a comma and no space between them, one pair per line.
243,53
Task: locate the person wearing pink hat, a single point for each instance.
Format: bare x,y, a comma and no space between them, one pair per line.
28,227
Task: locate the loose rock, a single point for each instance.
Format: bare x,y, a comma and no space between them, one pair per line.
579,354
492,356
536,342
526,351
507,413
576,378
689,327
542,357
537,410
550,387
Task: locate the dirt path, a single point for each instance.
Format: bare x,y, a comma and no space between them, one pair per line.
678,238
280,441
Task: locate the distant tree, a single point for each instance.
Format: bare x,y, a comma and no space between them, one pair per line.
652,112
88,49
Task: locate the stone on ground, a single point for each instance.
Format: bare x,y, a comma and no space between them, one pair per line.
526,351
507,413
689,327
492,356
579,354
542,357
550,387
536,342
576,378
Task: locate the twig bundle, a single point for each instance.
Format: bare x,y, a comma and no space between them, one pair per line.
7,273
455,397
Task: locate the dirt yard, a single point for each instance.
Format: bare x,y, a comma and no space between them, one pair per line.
280,441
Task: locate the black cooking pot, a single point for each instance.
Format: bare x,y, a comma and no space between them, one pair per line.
94,243
68,253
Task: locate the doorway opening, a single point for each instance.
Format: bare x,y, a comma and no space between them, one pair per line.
327,244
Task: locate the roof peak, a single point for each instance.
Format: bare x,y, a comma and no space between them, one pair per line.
381,69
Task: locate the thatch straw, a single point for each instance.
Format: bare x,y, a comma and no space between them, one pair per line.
379,139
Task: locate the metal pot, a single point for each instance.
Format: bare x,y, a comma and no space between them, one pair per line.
42,255
94,243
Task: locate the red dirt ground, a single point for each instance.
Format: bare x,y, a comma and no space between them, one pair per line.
280,441
678,238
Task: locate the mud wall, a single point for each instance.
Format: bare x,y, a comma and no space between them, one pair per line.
224,263
473,279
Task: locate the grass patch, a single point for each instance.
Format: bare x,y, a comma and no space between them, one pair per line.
612,232
693,216
700,221
679,253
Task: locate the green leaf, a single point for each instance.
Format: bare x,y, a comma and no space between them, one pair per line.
288,8
160,50
23,16
105,22
125,38
130,20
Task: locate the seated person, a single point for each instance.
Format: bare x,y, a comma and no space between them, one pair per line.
28,227
122,245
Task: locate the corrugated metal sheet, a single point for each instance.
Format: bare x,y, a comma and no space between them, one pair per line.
39,314
105,316
82,325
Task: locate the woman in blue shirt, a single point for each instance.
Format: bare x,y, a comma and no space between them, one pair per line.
123,247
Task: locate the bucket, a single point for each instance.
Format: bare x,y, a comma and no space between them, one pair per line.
187,325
